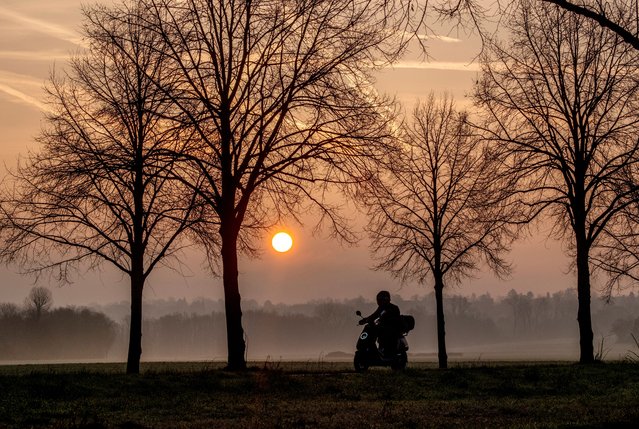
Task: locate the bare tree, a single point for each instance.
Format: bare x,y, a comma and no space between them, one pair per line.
560,98
99,189
440,205
38,301
279,95
619,255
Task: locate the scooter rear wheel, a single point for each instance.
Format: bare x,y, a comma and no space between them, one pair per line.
400,362
359,362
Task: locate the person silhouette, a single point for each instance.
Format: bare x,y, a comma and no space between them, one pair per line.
388,325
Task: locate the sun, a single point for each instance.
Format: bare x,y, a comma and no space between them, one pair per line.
282,242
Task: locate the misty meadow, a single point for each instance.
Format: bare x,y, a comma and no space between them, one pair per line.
480,329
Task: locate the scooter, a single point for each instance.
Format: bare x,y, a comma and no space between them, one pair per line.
368,354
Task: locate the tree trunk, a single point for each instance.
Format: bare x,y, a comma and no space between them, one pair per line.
135,332
137,257
441,331
232,301
583,296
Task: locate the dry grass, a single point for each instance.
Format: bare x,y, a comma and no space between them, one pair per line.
319,395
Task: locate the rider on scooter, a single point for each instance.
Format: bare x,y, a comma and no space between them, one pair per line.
389,324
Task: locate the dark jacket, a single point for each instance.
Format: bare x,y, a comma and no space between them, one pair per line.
388,315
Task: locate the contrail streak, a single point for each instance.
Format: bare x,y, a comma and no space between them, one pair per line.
436,65
42,26
24,98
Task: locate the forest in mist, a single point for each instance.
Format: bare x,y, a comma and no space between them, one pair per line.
517,326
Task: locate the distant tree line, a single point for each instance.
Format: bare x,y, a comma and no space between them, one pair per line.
195,330
181,330
314,329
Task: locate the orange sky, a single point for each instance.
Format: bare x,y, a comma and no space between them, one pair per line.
36,34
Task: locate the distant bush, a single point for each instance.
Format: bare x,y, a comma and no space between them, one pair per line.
60,334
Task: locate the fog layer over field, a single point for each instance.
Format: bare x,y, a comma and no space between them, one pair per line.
518,326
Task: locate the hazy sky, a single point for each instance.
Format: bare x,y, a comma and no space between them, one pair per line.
35,35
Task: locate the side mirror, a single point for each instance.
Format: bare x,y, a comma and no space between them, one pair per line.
359,313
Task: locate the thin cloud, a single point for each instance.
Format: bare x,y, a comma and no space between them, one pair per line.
19,87
16,79
23,98
440,38
35,55
436,65
42,26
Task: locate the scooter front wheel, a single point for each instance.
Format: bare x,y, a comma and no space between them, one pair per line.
360,362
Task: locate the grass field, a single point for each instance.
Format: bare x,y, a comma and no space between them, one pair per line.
318,395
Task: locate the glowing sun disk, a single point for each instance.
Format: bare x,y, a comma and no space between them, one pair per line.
282,242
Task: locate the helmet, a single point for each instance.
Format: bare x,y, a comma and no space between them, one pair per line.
383,296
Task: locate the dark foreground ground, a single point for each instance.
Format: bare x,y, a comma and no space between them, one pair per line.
320,395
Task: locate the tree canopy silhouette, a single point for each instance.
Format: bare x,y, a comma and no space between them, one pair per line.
99,188
618,16
440,205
